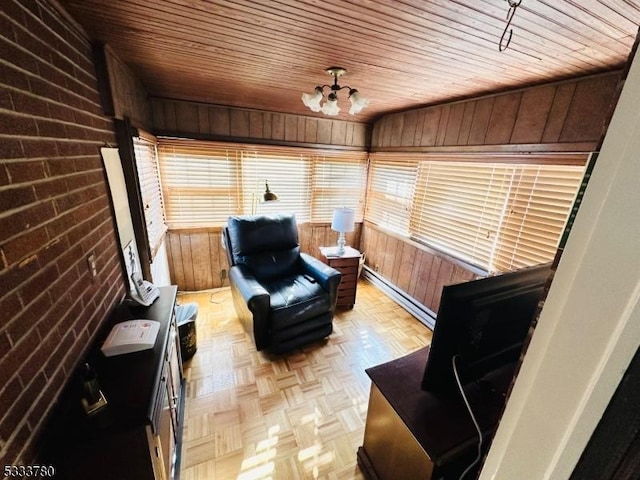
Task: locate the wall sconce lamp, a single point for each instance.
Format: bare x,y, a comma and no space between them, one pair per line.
330,107
267,197
343,222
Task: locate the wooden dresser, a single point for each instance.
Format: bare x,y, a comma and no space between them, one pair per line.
138,435
347,264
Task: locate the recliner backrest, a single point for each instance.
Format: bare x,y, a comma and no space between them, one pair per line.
266,244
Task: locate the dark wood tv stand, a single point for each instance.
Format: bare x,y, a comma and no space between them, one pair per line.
411,433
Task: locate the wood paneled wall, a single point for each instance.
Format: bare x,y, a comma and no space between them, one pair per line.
565,116
414,269
197,259
122,93
198,120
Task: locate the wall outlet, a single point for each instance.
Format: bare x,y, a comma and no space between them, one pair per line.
91,263
376,267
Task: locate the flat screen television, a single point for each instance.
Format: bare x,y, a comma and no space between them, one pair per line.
485,323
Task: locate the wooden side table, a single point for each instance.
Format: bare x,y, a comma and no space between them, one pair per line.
347,264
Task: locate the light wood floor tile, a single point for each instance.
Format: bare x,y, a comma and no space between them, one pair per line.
252,416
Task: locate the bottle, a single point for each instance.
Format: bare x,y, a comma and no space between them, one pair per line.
91,389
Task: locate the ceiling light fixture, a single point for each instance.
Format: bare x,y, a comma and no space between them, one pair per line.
330,107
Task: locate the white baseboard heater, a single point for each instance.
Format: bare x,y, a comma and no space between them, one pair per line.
410,304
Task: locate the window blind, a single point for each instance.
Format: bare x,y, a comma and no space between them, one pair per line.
536,213
390,192
148,176
339,180
458,207
205,182
289,177
494,212
199,183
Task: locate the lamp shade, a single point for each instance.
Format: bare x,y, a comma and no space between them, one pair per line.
331,105
312,100
357,102
268,195
343,220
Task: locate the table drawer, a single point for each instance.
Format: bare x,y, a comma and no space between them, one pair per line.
339,263
347,270
350,285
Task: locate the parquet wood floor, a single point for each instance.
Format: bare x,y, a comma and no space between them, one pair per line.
300,416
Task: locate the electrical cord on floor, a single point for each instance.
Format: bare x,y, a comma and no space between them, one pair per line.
215,298
473,418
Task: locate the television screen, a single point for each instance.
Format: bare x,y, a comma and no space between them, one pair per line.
484,323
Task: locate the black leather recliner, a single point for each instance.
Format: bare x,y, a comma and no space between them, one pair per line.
284,298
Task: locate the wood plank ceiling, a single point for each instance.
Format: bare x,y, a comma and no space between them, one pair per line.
400,54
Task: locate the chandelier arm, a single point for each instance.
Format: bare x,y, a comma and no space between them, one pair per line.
336,88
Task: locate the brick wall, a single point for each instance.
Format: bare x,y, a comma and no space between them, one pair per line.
54,213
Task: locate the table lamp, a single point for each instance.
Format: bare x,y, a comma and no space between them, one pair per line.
343,222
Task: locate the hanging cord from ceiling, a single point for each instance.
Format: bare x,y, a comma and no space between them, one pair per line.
513,5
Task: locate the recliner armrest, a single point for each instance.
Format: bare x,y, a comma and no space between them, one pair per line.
253,293
328,277
252,303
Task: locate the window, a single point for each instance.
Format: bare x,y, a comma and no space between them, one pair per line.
338,181
205,182
496,213
198,183
147,167
289,177
390,193
458,208
536,213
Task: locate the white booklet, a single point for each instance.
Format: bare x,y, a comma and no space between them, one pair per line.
131,336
